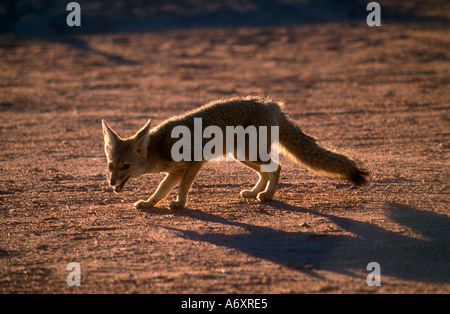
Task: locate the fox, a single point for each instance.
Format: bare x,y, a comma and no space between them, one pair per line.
149,150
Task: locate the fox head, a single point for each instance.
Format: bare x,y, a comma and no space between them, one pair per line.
127,158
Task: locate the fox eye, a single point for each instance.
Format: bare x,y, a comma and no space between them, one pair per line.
126,166
110,166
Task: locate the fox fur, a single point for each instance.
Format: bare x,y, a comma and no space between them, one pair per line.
149,150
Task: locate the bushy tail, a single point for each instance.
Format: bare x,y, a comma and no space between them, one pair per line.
306,151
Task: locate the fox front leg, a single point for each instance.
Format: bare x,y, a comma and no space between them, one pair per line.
164,188
189,175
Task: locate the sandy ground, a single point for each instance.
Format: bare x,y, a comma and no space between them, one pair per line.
379,94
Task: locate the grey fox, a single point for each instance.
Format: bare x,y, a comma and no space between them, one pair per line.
150,150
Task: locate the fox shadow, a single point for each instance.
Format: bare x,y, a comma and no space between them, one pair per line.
421,258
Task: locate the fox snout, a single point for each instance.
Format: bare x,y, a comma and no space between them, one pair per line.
117,182
118,186
112,177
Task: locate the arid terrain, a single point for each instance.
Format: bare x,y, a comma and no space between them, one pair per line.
379,94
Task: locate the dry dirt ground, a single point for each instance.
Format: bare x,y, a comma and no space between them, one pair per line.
380,94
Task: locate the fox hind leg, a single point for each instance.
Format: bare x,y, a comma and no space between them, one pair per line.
266,186
260,185
269,192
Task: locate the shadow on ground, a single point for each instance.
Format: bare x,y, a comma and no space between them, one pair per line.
46,20
421,258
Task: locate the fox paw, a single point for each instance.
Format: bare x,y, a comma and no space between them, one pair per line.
176,205
248,193
265,197
144,204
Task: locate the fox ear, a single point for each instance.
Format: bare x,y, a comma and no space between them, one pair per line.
111,138
143,138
